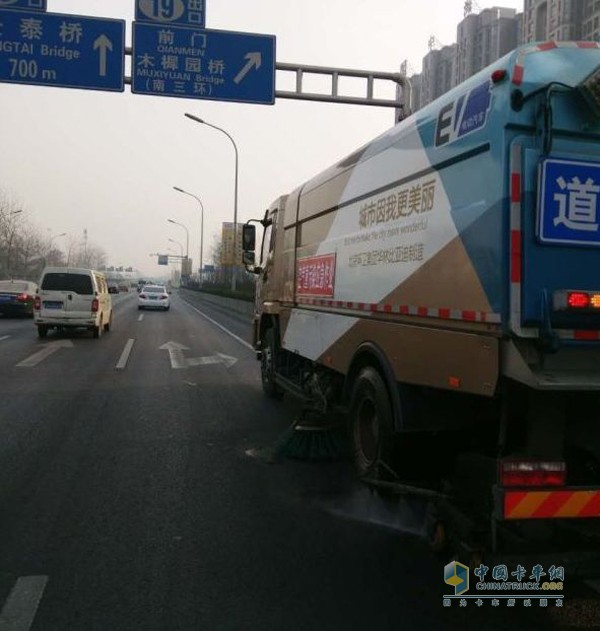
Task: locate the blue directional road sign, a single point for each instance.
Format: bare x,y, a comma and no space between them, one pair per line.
203,64
184,12
68,51
24,5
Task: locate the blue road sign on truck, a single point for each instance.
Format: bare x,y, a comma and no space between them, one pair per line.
203,64
68,51
568,208
24,5
183,12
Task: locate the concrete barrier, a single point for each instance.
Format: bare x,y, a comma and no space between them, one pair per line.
239,306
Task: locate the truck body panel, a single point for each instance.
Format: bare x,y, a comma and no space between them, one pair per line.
446,276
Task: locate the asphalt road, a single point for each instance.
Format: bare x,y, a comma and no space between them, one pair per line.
129,500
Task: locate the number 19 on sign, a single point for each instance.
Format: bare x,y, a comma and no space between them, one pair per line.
189,12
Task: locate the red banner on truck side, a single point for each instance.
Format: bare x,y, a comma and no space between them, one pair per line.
316,275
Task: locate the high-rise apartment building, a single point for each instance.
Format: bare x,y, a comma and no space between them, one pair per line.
554,19
482,38
438,73
486,36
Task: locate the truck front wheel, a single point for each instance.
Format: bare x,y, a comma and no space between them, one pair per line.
267,366
371,422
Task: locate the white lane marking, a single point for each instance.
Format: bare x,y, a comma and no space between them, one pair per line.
141,317
125,355
22,603
49,349
219,358
175,354
220,326
4,337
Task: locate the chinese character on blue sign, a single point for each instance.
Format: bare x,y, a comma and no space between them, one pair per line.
203,64
24,5
183,12
68,51
568,202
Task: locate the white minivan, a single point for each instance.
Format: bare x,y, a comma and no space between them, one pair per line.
70,297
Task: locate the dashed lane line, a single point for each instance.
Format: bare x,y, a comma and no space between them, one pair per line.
124,356
140,317
4,337
22,603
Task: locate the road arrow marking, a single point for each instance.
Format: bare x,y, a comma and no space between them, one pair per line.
48,350
219,358
254,61
175,354
179,361
104,44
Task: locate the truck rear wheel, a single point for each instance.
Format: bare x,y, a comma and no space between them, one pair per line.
267,366
371,421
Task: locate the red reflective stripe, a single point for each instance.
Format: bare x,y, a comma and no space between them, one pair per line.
483,316
515,255
592,508
373,307
387,308
444,313
586,335
518,75
469,315
511,501
515,188
552,504
547,46
587,44
422,311
403,309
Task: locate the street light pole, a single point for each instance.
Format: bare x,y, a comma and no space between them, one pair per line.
187,236
180,190
235,199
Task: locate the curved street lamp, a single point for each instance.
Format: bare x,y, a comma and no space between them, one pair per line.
180,190
180,246
235,199
187,236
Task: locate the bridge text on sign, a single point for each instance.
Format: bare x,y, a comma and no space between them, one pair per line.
62,50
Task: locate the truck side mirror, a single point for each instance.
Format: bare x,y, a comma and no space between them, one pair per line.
248,238
248,258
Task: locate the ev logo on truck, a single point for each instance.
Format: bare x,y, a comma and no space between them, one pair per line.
467,114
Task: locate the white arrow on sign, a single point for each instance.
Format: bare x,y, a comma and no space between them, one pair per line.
49,349
104,44
179,361
254,61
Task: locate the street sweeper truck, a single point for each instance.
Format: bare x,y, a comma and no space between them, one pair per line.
441,286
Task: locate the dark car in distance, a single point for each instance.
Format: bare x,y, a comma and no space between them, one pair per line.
17,297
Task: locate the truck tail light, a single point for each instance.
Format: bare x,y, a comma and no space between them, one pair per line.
95,305
23,297
576,300
37,303
532,473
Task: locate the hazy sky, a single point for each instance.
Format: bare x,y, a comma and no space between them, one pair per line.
107,162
